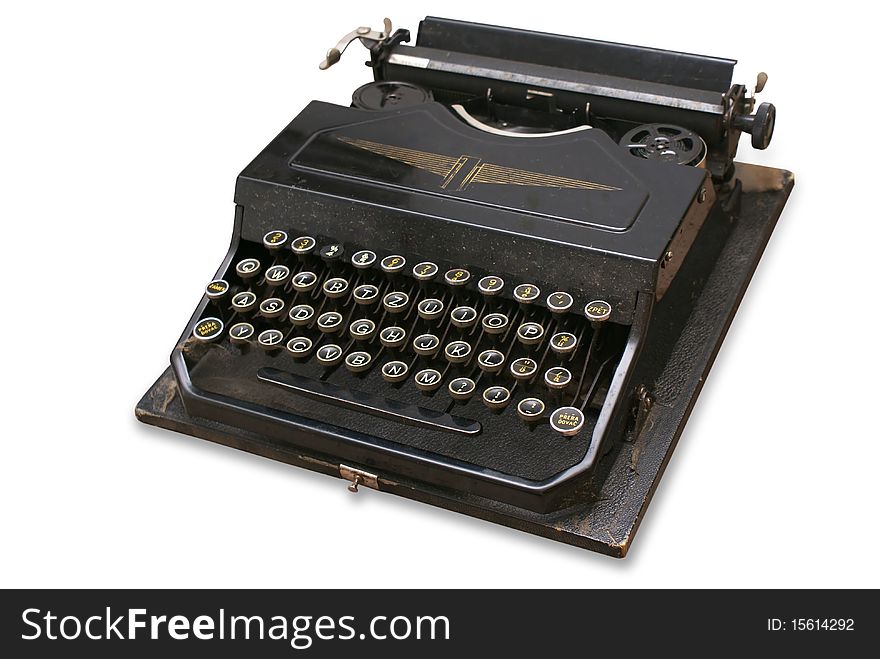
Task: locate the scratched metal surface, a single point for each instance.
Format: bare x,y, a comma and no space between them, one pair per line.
608,522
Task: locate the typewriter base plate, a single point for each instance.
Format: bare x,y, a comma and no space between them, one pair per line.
606,524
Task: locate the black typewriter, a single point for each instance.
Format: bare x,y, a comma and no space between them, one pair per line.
494,283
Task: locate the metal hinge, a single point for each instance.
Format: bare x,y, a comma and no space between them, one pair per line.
643,404
358,477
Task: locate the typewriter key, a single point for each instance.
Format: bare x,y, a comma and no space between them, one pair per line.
303,245
457,277
363,259
490,285
430,308
523,368
208,329
362,330
496,398
530,409
358,361
557,377
462,388
457,351
428,379
425,271
244,301
567,421
490,361
463,317
393,264
300,346
395,371
530,333
597,311
562,343
275,240
241,332
332,253
304,282
270,339
329,355
329,321
392,337
365,294
217,289
248,268
335,287
301,314
277,275
526,293
395,302
495,323
426,345
272,307
559,302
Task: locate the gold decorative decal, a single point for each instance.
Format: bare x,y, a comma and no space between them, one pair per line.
460,172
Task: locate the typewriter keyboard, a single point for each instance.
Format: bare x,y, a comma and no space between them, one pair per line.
443,357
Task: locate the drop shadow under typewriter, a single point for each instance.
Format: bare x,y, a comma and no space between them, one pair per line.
477,291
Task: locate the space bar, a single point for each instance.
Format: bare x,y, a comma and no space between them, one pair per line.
369,403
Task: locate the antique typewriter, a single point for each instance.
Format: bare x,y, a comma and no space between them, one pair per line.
494,283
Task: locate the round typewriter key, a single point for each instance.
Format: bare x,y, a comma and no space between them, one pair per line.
425,271
426,345
217,289
275,240
490,285
332,253
523,368
457,277
526,293
430,308
304,281
562,343
270,339
395,371
363,259
463,317
362,330
208,329
557,377
567,421
392,337
462,388
301,314
394,263
428,379
559,302
244,301
247,268
300,346
272,307
530,333
597,311
329,321
241,332
457,351
530,409
277,275
395,302
496,398
303,245
490,361
329,355
495,323
365,294
358,361
335,287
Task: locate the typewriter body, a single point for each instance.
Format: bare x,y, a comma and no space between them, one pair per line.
470,286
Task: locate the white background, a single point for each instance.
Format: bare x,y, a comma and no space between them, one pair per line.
123,129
